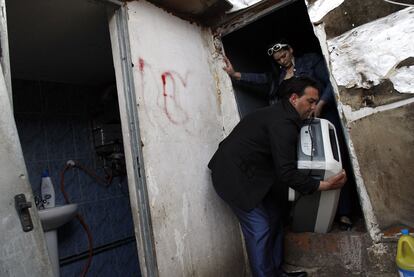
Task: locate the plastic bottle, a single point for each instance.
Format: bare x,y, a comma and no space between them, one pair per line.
405,254
47,191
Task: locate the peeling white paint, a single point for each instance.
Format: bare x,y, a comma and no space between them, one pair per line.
378,248
403,79
364,56
228,114
366,205
320,8
364,112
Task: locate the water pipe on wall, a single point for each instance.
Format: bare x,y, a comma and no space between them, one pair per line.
104,182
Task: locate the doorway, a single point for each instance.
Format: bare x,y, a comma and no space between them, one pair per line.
247,47
66,108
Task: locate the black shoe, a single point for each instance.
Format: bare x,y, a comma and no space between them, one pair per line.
345,223
294,274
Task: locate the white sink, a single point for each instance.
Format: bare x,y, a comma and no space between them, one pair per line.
53,218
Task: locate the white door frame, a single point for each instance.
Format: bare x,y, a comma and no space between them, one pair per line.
118,24
4,44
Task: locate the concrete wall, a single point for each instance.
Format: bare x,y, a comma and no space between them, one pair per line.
183,115
370,51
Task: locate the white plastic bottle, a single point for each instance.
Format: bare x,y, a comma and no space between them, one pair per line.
47,191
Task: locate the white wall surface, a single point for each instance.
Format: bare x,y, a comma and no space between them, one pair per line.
318,9
182,113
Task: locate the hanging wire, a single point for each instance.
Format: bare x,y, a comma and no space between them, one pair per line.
80,219
399,3
311,136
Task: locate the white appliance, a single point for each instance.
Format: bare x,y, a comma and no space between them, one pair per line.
318,156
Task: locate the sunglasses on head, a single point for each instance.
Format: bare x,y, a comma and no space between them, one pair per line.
275,48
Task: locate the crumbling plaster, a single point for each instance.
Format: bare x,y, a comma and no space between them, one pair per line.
341,16
369,49
371,53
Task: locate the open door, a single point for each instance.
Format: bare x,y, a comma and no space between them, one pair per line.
23,249
167,78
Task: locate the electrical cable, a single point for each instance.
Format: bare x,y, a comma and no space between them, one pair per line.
80,219
311,137
101,181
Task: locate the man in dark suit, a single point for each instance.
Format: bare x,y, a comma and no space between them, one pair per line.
258,160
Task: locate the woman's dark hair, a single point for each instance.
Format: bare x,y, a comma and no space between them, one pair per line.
296,85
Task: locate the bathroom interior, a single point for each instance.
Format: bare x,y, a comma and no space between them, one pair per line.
66,109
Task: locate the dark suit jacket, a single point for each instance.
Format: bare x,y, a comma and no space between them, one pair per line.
260,153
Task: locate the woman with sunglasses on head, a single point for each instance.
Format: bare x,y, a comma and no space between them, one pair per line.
311,65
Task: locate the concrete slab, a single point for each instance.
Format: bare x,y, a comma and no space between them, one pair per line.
340,254
384,145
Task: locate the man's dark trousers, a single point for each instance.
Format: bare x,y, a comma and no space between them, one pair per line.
256,160
263,234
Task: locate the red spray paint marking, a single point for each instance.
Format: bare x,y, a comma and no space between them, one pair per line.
141,63
169,98
164,82
172,95
183,80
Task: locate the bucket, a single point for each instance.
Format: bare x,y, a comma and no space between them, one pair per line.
405,254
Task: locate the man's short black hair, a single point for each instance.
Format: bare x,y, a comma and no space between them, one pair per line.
296,85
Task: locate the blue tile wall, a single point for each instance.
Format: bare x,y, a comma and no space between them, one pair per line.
126,262
115,262
33,139
54,125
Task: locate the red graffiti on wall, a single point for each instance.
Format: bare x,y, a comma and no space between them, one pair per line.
170,102
141,66
141,63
